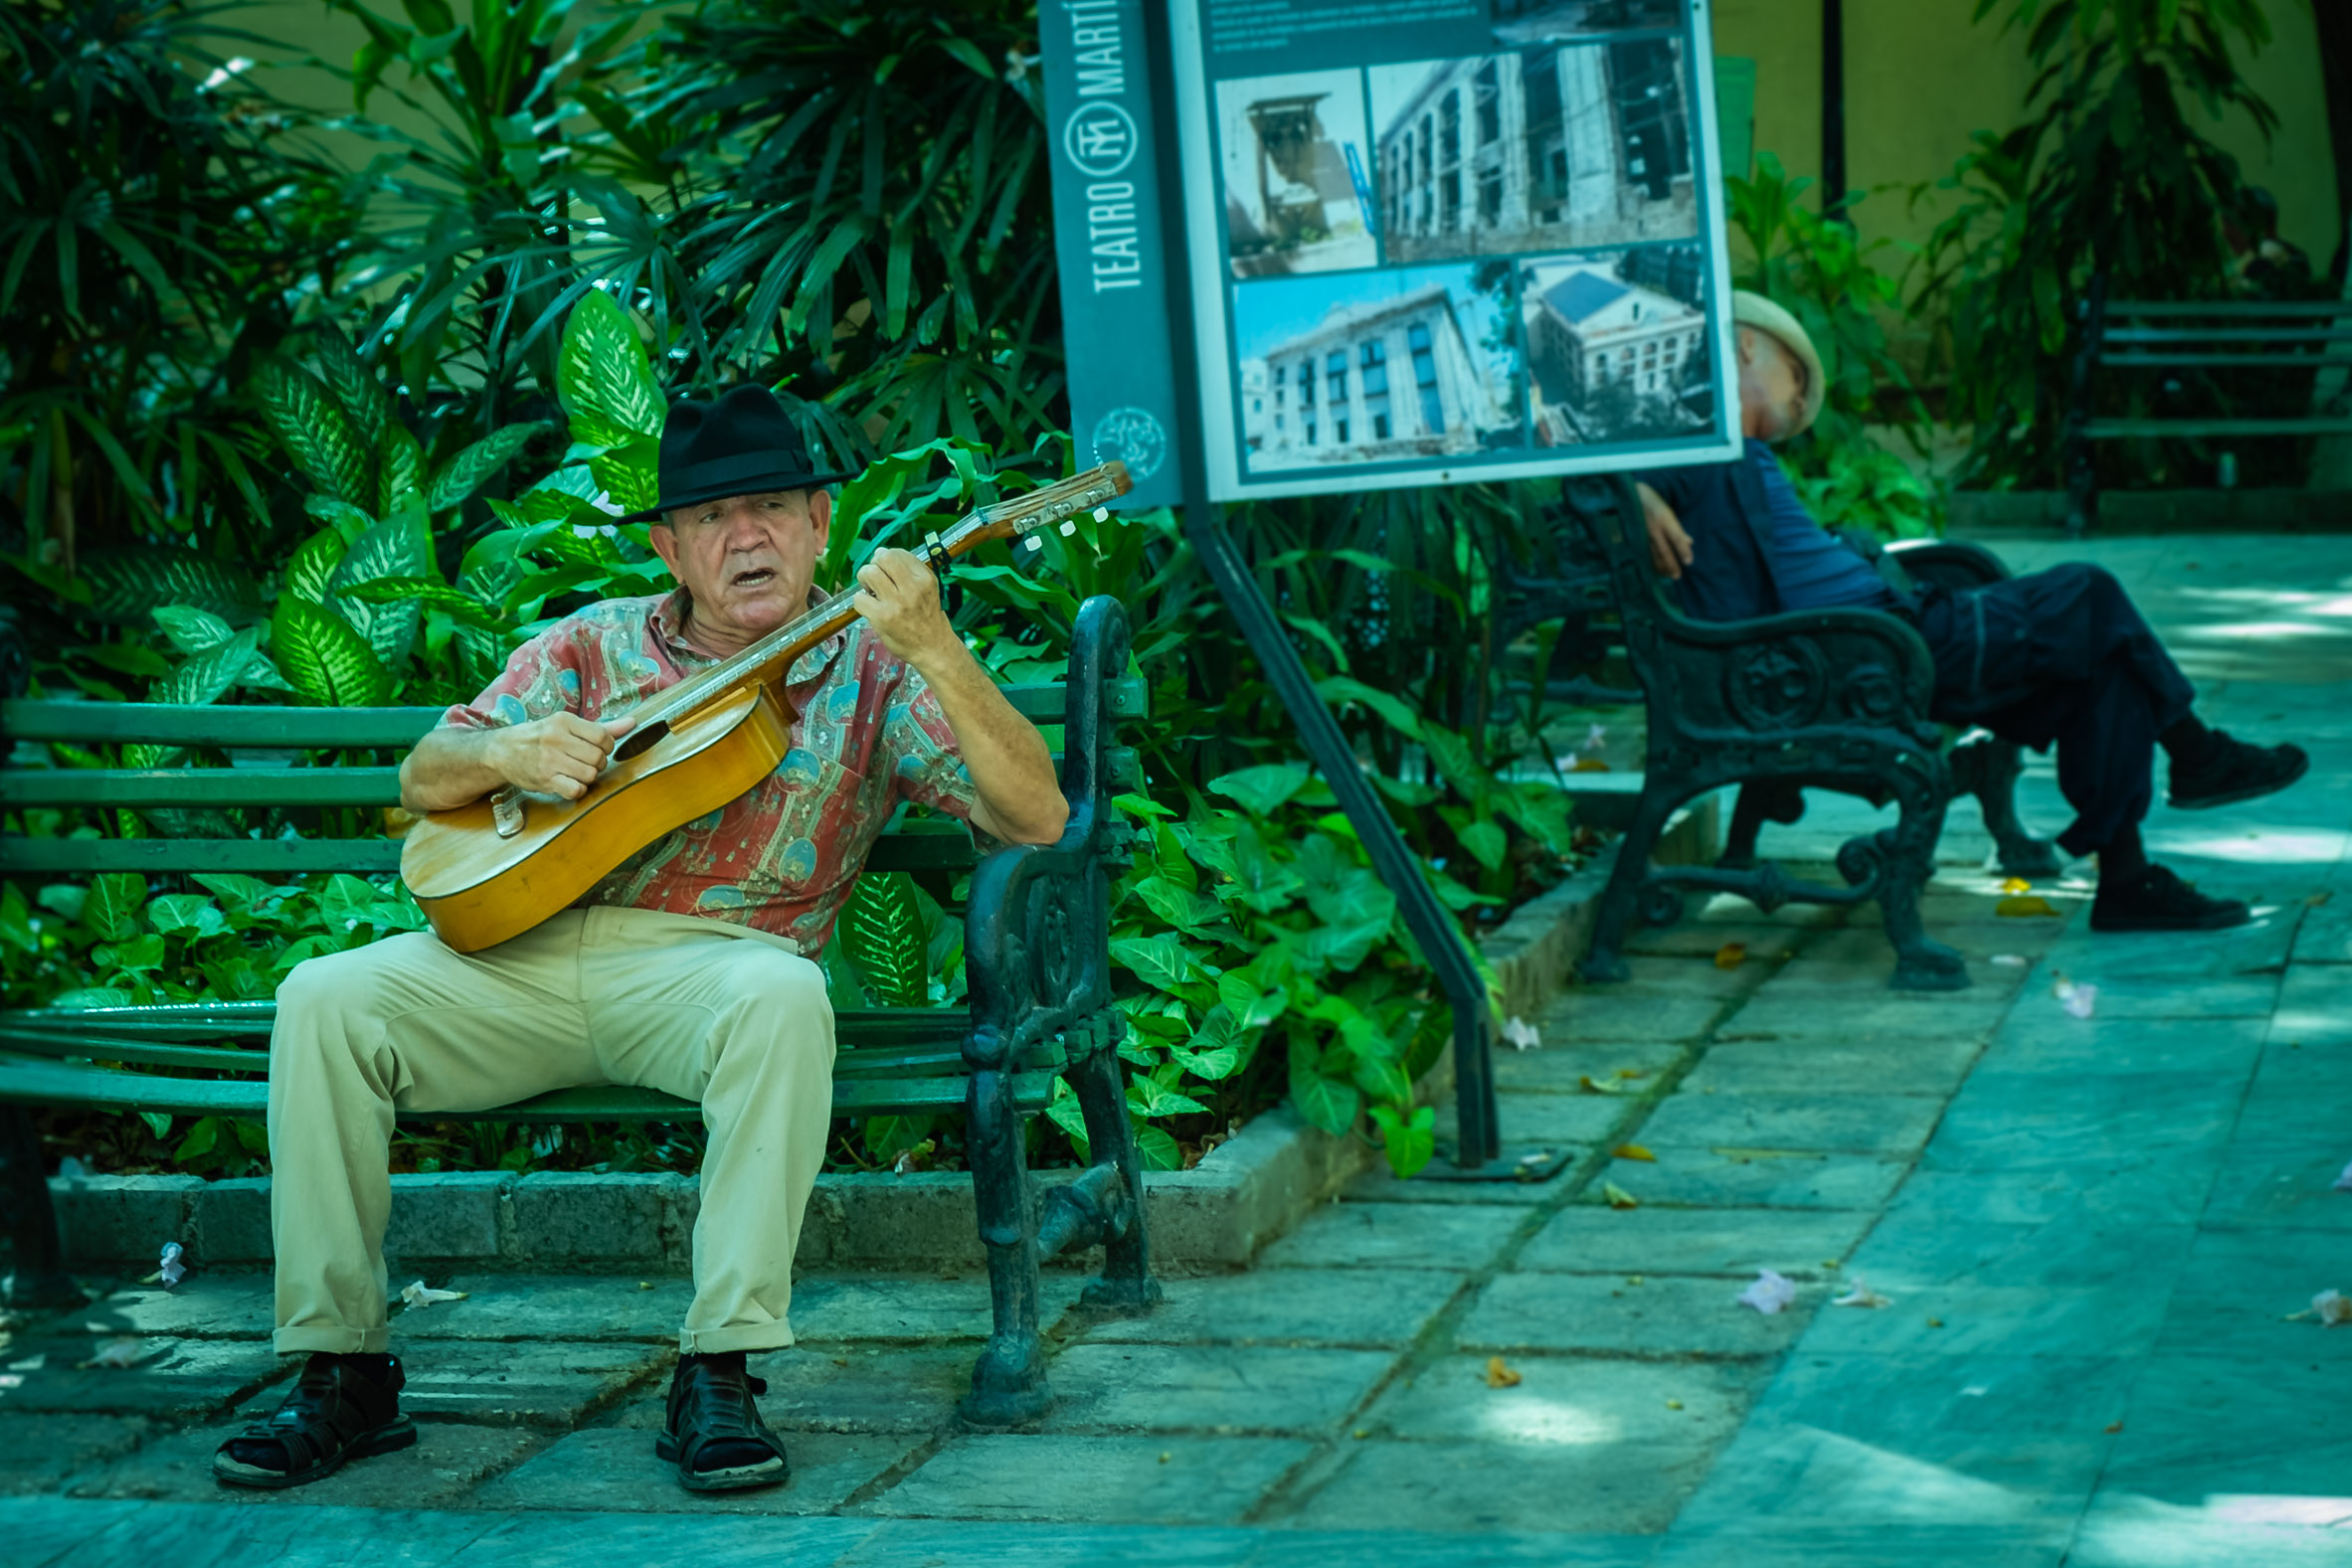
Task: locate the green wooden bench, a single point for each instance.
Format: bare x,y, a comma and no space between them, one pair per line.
1037,960
2288,337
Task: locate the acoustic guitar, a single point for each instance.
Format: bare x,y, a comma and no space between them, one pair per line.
494,869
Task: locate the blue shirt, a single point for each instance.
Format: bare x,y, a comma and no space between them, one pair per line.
1742,567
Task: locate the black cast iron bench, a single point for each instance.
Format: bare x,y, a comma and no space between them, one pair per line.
1829,698
1036,955
2291,338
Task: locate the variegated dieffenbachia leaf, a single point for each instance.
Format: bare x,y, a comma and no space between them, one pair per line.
313,566
465,473
400,478
882,929
361,397
328,663
132,581
397,547
192,629
205,677
316,432
430,592
603,378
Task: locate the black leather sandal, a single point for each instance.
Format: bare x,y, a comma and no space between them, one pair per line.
715,1435
334,1414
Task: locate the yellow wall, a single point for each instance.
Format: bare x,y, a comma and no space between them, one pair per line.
1921,78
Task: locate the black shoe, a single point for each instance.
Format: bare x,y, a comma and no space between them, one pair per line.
715,1435
2158,900
2233,772
342,1408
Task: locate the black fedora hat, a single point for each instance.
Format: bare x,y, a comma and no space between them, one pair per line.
742,444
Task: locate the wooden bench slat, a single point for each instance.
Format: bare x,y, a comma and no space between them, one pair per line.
321,729
2107,430
178,724
2227,334
264,857
2228,307
199,787
35,1080
857,1027
2275,360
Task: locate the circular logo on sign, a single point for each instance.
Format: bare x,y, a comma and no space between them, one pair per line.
1099,139
1135,438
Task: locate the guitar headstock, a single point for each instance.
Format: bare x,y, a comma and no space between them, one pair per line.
1056,503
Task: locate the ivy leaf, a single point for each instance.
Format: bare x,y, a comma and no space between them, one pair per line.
1249,1006
325,659
1069,1116
1167,855
1179,907
1151,1099
1160,960
1261,790
1346,688
1327,1103
1409,1143
1157,1147
882,930
188,915
1262,882
112,908
1485,840
603,378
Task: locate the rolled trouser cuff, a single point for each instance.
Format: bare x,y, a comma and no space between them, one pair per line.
745,1337
327,1340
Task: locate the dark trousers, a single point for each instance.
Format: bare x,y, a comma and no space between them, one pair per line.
2062,656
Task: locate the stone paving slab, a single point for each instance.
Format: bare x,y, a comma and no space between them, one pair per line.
1627,1314
1560,1065
1758,1178
614,1470
1567,1119
1773,1543
554,1306
204,1306
1507,1485
1381,1186
910,1307
2203,1426
2250,1291
177,1379
1221,1389
550,1386
1814,1067
448,1461
1096,1479
851,1388
1862,1010
1384,1307
1857,1124
1572,1401
39,1451
2046,1039
1395,1235
1656,1241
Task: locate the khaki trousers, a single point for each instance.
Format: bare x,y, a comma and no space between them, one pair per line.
704,1009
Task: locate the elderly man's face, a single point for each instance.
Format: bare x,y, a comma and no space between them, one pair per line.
748,561
1772,387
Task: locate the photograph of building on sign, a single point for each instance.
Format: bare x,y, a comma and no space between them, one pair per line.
1541,21
1617,346
1409,363
1295,186
1548,149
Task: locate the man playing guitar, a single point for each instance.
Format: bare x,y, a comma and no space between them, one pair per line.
686,968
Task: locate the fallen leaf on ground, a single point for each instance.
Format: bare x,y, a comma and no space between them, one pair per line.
119,1354
1633,1071
2009,961
644,1285
1731,954
1861,1294
1633,1151
2317,899
2025,907
1498,1375
2078,999
2015,885
1597,1086
1770,1292
1674,1403
172,1271
1618,1197
2112,1425
1936,1323
421,1294
2332,1307
1521,1035
1590,764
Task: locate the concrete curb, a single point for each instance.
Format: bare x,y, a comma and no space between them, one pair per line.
1245,1193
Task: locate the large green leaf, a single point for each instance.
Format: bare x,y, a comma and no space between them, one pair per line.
1261,789
431,593
328,661
603,378
397,547
401,481
316,432
203,677
1328,1103
882,929
132,581
630,474
366,406
112,908
465,473
1160,960
313,566
191,629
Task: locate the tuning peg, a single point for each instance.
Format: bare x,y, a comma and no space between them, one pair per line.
1068,528
1102,514
1033,542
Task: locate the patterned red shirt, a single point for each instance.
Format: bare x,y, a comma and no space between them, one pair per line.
784,857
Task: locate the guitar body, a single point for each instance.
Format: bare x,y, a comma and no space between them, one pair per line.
479,888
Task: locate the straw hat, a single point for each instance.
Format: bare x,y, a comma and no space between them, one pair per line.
1756,311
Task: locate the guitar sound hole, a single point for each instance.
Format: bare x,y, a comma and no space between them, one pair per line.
639,741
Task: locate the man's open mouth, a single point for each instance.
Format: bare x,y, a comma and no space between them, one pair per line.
754,577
